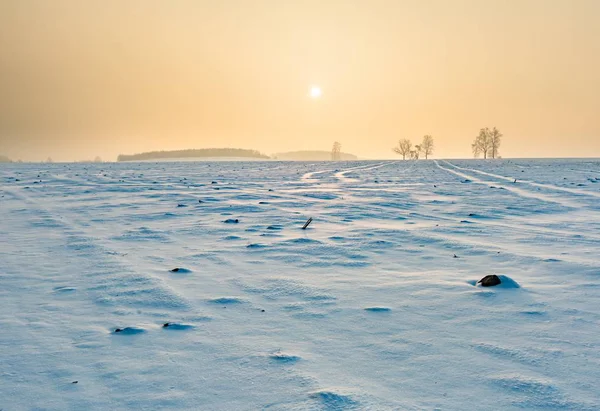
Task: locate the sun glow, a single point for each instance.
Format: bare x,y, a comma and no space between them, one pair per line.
315,92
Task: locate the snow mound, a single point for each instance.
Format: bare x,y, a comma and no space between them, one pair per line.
64,289
226,300
180,270
128,331
232,238
256,245
505,282
378,309
333,400
177,326
286,358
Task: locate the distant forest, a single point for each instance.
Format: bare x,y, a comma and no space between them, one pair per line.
312,156
204,152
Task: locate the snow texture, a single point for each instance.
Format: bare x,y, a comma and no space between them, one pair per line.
375,306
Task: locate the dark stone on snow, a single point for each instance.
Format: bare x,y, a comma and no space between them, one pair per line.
118,330
174,270
489,281
165,325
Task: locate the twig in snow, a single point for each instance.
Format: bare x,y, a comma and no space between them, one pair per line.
307,223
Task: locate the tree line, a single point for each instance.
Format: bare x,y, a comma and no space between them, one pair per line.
205,152
487,143
405,148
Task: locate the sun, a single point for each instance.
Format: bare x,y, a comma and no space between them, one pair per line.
315,92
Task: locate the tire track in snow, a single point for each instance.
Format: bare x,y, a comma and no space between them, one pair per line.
531,183
564,235
522,227
452,234
523,193
341,175
447,219
308,177
577,170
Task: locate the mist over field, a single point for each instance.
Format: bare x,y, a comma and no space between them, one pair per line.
81,79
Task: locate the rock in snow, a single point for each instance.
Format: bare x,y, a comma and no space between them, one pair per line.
489,281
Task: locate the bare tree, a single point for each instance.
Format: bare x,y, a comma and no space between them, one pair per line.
404,147
495,140
336,151
427,145
481,145
487,143
416,153
97,159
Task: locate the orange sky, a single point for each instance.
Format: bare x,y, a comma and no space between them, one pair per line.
86,78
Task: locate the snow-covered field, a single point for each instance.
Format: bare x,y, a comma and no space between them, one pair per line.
367,309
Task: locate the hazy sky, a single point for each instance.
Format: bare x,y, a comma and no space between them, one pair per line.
80,78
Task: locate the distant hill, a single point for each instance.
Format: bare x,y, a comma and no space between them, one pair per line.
4,159
204,152
311,156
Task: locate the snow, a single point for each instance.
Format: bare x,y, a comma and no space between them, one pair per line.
375,306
